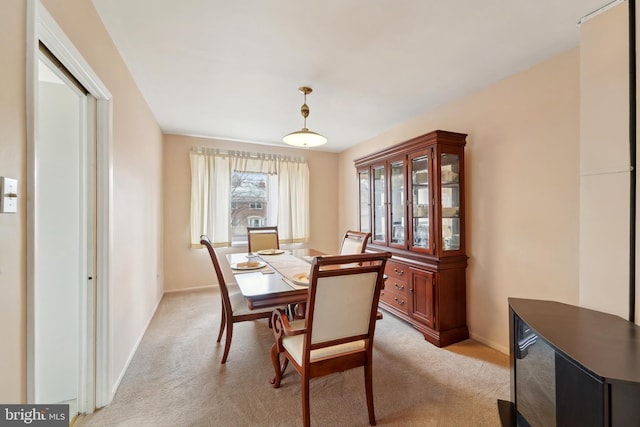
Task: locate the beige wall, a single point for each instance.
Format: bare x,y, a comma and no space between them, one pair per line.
186,267
137,190
12,226
604,162
522,189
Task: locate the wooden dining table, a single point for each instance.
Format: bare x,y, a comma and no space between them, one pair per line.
268,286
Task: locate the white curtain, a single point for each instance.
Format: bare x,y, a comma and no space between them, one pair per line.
260,163
210,197
293,201
211,193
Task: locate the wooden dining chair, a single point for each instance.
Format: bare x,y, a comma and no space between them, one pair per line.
261,238
234,306
337,331
354,242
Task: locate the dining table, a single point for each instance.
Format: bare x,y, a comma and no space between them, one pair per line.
271,278
275,279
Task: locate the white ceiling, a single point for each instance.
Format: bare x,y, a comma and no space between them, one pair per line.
231,69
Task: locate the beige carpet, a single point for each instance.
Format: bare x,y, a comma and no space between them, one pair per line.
175,378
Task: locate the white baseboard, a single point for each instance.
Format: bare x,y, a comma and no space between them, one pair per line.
489,343
194,288
133,351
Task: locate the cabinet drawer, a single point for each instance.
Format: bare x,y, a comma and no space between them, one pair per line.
396,300
396,270
396,285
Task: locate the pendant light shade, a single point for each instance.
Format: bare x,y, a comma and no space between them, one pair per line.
305,137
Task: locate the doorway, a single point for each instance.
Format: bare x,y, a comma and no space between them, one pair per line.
64,226
69,199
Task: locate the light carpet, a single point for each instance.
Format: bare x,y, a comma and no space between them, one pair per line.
176,379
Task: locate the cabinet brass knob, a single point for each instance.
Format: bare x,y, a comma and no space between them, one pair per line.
400,288
400,302
398,272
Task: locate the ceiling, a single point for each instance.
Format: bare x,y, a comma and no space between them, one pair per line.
231,69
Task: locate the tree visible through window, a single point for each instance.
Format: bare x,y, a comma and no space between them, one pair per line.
249,203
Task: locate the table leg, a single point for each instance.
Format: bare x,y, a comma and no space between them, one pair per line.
299,310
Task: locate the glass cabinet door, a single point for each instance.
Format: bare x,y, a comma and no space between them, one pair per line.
364,195
450,188
421,199
398,201
379,204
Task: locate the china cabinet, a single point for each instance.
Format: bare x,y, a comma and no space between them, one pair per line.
411,199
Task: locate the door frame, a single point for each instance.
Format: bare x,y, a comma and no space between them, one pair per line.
94,390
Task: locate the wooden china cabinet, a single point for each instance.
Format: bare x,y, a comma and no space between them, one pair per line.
411,199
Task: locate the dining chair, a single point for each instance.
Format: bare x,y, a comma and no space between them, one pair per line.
261,238
234,306
354,242
337,331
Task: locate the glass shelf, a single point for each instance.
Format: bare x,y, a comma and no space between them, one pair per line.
365,200
398,196
379,204
450,202
420,202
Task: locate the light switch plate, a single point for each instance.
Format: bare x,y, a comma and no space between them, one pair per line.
8,195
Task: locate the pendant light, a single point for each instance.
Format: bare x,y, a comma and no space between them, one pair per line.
305,137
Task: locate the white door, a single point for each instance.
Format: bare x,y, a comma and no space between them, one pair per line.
64,230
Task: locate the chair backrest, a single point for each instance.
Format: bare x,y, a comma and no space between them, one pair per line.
354,242
224,290
261,238
343,299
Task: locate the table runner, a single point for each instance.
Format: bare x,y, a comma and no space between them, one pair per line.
287,265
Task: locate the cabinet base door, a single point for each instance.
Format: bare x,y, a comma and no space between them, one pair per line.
424,296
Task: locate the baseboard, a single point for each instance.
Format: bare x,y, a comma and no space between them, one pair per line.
194,288
489,343
116,385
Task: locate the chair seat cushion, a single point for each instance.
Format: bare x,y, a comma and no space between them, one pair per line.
239,305
293,344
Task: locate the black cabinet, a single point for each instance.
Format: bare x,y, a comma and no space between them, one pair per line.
571,366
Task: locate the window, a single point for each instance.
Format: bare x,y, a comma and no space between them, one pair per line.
233,190
252,222
250,194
